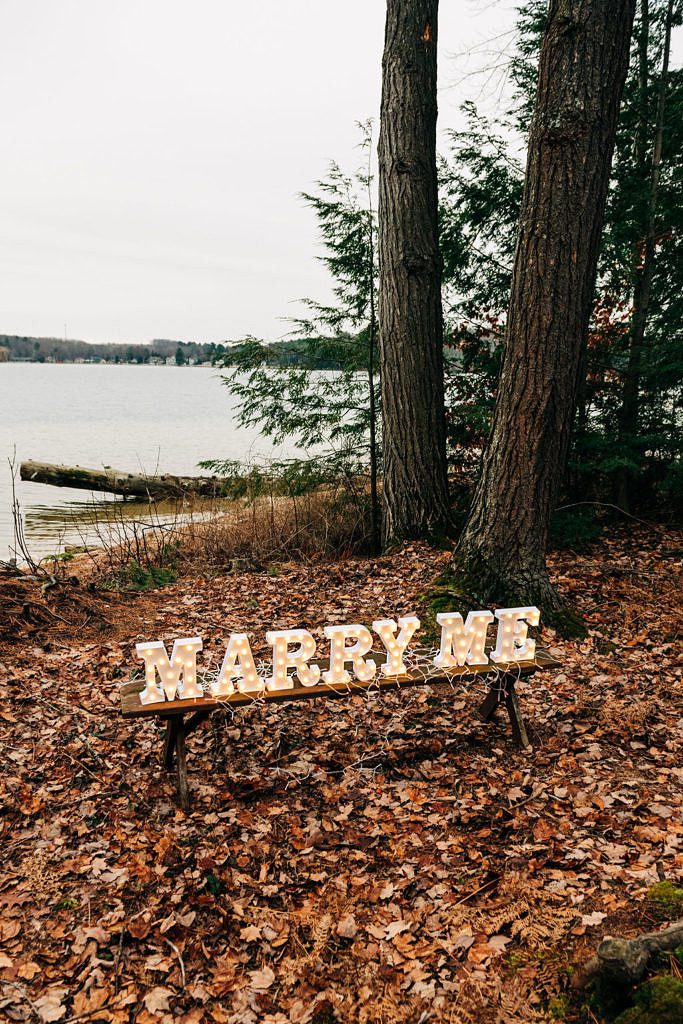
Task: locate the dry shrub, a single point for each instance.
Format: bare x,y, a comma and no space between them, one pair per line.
146,551
629,716
322,524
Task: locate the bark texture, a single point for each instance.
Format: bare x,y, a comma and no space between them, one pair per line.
583,64
410,316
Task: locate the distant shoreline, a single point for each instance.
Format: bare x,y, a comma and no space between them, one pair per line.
112,362
289,352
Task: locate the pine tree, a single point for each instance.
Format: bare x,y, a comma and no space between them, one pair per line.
481,193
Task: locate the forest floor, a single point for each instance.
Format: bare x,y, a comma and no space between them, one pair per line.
363,860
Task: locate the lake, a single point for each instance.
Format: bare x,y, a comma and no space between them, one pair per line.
150,419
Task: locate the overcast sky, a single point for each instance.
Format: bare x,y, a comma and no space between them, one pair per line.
153,151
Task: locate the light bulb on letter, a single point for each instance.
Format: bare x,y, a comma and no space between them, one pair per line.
463,643
238,668
178,676
284,658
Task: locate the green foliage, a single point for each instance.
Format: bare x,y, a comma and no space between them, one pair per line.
134,576
573,528
480,192
312,408
558,1007
291,477
68,903
213,884
658,1001
667,898
481,184
316,353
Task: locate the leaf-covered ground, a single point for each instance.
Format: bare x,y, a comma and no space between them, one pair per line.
371,860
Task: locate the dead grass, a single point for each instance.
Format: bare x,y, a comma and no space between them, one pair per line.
207,539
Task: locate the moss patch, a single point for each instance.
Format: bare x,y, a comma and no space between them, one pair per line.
667,898
659,1001
451,593
134,576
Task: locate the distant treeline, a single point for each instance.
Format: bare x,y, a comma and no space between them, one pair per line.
70,350
292,352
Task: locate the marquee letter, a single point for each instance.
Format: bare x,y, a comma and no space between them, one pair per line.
238,665
462,644
283,658
395,645
512,643
183,663
340,654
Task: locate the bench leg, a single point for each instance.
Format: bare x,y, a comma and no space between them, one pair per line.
175,751
170,742
181,767
503,692
516,720
489,705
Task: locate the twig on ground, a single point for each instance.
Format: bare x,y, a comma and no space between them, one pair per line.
180,961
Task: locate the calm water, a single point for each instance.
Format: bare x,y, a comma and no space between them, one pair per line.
137,418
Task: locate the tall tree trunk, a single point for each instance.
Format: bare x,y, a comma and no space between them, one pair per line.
645,255
374,497
372,348
410,317
583,64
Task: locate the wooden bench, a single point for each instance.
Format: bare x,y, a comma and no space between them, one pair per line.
183,716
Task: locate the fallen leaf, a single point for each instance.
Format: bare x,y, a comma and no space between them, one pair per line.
50,1006
347,927
597,917
261,980
156,1000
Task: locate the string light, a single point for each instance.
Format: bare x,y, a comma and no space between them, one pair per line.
183,663
395,645
284,659
512,642
463,643
341,655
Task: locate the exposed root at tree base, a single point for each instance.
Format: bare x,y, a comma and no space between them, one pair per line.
471,583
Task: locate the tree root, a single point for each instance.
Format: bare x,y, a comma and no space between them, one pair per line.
474,582
625,961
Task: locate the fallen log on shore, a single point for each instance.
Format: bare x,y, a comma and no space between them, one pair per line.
114,481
